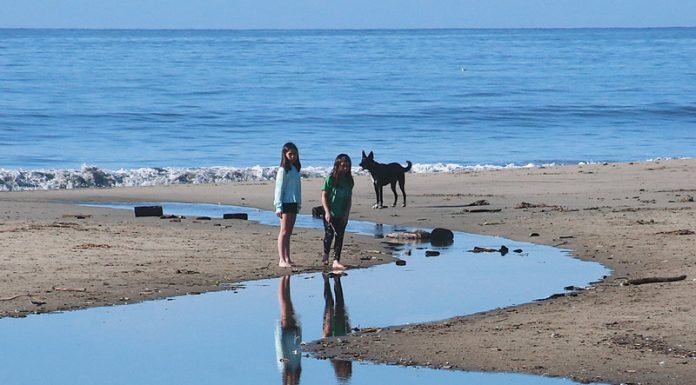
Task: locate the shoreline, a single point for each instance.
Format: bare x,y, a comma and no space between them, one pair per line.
634,218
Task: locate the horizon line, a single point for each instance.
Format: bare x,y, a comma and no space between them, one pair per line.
333,29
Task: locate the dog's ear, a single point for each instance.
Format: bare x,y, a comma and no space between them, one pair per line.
363,154
370,155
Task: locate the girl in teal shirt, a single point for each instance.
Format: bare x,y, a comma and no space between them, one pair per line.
287,199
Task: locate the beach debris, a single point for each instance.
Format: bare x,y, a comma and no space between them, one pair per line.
644,222
15,297
527,205
38,302
77,216
534,234
441,237
477,249
678,232
181,271
242,216
481,202
482,210
77,289
400,262
148,211
375,252
172,217
431,253
86,246
642,281
493,223
318,211
688,198
417,234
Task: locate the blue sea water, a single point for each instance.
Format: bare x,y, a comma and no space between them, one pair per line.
81,108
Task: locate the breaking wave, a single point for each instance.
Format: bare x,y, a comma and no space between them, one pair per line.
95,177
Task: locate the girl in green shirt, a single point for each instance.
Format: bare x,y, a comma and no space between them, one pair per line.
336,198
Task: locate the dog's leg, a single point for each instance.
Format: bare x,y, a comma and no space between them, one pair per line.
377,193
402,181
396,196
381,197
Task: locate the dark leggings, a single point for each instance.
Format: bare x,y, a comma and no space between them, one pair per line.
338,229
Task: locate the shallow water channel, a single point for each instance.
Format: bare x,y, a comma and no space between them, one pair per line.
251,333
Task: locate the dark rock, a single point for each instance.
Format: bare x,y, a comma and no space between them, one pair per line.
148,211
431,253
400,262
517,251
503,250
441,237
203,218
243,216
534,234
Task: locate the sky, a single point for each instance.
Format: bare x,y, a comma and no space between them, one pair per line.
345,14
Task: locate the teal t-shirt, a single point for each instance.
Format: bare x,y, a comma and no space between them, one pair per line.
338,196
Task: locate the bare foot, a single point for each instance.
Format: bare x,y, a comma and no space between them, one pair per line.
284,264
337,265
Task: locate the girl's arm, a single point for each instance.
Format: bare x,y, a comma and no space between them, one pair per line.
325,205
299,191
277,196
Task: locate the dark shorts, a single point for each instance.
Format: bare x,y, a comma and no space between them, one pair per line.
289,208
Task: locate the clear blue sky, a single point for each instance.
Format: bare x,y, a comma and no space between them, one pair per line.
244,14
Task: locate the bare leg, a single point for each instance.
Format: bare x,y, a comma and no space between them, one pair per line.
287,223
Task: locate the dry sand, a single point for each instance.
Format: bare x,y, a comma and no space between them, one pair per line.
637,219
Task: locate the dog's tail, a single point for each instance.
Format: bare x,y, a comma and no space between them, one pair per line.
407,168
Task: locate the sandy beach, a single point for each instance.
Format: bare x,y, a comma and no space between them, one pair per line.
636,218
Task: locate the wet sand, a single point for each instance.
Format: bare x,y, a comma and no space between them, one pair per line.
637,219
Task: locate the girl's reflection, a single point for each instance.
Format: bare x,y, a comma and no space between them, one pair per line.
336,322
288,336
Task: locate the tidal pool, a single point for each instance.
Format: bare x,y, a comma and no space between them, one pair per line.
251,333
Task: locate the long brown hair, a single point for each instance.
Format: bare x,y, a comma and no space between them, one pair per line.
334,178
284,162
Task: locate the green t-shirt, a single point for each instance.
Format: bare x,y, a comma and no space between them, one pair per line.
338,196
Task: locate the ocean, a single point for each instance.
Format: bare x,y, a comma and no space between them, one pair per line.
96,108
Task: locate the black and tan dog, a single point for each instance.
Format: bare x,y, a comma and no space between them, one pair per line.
384,174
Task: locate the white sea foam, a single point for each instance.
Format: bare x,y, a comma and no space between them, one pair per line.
95,177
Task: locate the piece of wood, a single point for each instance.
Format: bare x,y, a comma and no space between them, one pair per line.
641,281
69,289
148,211
243,216
14,297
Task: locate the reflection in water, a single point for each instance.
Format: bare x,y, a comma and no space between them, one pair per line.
336,323
288,336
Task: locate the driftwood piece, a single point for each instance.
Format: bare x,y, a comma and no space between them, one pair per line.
641,281
14,297
69,289
481,202
482,210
